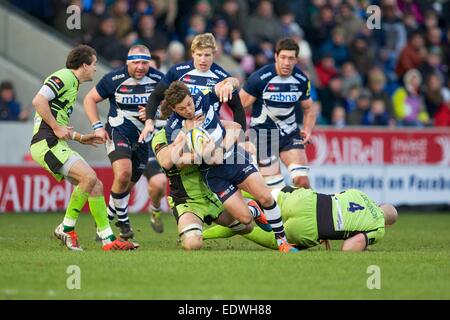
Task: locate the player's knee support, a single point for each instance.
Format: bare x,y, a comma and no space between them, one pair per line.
191,236
298,170
275,181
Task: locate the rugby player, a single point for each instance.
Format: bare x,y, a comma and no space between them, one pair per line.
275,91
199,74
311,218
156,179
127,88
54,104
192,202
234,171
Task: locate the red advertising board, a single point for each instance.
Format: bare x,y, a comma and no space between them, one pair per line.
24,189
378,146
336,157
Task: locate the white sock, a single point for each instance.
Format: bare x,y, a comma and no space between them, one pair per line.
273,215
121,205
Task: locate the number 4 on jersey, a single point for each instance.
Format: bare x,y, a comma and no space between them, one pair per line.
354,207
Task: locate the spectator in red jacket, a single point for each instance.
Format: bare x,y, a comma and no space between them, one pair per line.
325,70
442,117
412,55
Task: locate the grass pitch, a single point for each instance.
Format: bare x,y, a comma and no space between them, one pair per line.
414,262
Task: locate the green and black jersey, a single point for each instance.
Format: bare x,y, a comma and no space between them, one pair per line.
311,216
185,183
64,84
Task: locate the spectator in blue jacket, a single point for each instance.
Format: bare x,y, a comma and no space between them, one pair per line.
9,108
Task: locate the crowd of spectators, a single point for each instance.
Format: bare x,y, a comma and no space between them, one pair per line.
393,75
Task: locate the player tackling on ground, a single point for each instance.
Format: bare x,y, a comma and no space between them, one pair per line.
198,74
232,168
311,218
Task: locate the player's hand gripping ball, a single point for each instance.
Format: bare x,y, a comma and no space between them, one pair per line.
196,138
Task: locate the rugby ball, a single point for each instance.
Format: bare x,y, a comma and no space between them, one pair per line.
195,139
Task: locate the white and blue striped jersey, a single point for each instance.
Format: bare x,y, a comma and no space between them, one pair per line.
125,95
196,80
276,98
205,102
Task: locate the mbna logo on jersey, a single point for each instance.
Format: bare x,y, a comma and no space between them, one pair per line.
133,98
195,89
283,97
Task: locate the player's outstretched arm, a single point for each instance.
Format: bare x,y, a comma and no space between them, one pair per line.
89,138
224,89
238,110
150,110
90,107
155,100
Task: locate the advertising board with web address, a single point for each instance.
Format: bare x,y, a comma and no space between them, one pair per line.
398,166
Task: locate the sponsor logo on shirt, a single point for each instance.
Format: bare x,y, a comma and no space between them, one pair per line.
265,75
248,168
174,124
283,97
298,75
156,76
125,89
197,103
196,89
118,76
211,82
183,67
220,73
56,82
132,98
271,87
188,79
293,87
